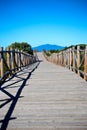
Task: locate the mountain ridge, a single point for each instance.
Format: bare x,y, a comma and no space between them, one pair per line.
48,47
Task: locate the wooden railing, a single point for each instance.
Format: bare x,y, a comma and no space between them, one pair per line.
12,61
73,58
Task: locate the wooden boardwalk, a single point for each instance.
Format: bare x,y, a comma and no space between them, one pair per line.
49,97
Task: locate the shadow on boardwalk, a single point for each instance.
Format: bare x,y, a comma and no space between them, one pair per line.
16,79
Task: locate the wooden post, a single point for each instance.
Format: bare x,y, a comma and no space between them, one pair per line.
12,60
54,58
85,64
2,62
63,53
22,57
8,58
61,58
70,59
29,60
78,59
25,60
65,58
57,58
73,48
19,58
16,58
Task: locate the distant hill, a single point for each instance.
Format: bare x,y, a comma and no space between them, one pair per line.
48,47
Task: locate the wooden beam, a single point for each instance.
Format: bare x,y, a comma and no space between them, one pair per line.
78,59
85,64
2,62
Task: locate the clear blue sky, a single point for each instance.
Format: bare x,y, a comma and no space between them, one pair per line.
61,22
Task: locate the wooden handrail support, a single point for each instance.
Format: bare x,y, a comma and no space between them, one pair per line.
85,64
1,62
72,59
78,59
73,51
13,60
